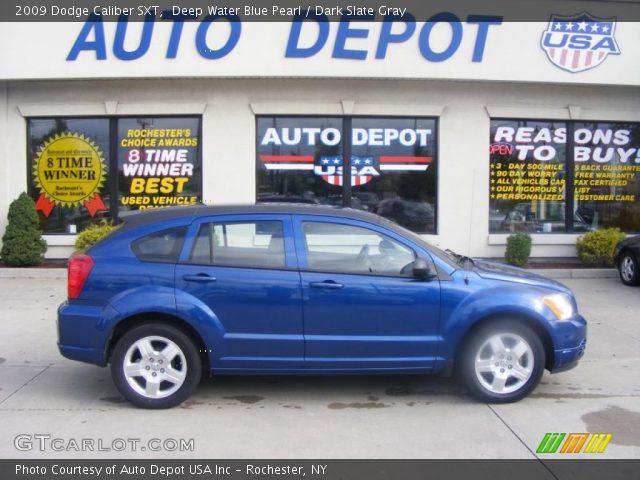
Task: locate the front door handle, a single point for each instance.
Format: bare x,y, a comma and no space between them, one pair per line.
201,277
327,284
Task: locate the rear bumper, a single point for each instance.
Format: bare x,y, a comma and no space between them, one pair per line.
570,342
82,333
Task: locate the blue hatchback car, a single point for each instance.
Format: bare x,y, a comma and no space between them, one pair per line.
305,289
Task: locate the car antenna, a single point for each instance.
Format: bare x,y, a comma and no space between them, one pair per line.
468,259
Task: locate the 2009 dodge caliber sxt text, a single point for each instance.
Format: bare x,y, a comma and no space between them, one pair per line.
291,289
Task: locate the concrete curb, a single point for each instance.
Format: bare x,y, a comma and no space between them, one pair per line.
557,273
563,273
36,273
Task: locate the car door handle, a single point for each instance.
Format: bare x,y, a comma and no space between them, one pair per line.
327,284
201,277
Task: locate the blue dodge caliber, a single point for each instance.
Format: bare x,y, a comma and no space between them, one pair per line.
301,289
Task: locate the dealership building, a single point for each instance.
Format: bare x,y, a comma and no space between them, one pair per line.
462,131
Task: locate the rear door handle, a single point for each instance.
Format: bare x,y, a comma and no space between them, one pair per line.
327,284
201,277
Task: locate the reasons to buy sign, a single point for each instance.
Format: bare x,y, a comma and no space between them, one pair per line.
528,162
69,170
158,166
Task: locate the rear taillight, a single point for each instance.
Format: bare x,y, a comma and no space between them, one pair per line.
80,266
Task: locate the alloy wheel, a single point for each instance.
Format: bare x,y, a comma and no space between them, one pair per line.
504,363
155,367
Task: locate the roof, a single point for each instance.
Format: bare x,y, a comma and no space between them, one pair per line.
141,217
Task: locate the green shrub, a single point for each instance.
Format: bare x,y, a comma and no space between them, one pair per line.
22,243
596,248
518,249
93,233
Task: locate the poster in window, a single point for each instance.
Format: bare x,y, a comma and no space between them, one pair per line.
158,162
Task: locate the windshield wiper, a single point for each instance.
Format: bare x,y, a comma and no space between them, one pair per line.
460,259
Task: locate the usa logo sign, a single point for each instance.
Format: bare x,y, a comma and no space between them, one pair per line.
579,42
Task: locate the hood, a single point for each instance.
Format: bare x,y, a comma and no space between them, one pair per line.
507,273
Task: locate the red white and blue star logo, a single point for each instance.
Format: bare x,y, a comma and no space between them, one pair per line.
330,167
579,42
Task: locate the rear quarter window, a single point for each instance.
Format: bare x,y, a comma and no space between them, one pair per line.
162,246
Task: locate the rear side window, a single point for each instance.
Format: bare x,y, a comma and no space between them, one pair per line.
246,244
163,246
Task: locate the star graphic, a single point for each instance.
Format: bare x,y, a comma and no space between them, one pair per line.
582,26
594,27
557,26
568,26
324,161
336,161
367,162
605,28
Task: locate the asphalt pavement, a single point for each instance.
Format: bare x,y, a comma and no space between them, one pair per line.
42,393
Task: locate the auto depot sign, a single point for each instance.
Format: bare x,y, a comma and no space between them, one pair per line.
444,46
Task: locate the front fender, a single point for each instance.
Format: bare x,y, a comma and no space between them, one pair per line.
502,299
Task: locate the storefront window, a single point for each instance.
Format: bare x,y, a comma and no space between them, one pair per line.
293,152
69,171
527,176
72,160
158,162
530,190
393,165
607,174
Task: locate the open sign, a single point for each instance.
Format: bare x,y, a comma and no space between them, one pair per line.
501,148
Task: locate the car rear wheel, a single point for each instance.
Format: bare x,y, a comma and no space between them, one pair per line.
628,268
155,366
502,362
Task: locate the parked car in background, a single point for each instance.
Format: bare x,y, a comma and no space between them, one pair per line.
626,258
304,289
411,214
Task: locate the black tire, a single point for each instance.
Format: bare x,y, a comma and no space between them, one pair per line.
629,278
511,329
187,363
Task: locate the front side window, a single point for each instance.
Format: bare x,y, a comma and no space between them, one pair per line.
247,244
338,248
393,165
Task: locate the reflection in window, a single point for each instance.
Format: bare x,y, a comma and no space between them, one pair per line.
333,247
607,175
393,165
527,176
251,244
69,170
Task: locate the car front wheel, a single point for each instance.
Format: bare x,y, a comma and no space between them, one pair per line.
628,268
502,362
155,366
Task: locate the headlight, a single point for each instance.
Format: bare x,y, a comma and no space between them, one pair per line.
560,304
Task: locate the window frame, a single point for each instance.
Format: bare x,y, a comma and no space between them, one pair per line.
346,151
111,186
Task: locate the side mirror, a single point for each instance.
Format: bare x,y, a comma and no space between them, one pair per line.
422,269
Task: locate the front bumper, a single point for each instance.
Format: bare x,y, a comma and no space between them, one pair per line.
570,341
